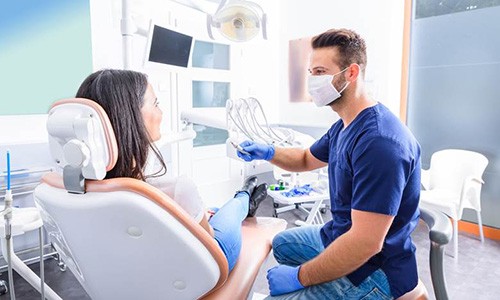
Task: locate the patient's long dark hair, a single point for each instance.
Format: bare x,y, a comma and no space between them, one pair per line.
121,95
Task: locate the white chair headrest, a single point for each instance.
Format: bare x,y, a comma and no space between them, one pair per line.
81,141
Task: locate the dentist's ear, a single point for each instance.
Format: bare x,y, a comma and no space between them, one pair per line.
353,72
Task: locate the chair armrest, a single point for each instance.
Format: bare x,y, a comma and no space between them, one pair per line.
425,178
440,230
479,180
474,184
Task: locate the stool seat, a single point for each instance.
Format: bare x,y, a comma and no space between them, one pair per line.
23,220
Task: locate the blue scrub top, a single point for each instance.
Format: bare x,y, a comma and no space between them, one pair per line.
374,166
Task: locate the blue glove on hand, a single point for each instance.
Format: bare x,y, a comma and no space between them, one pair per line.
256,151
283,279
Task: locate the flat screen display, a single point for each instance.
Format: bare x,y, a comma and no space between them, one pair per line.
170,47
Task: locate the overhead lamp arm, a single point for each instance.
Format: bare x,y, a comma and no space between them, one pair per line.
128,29
221,5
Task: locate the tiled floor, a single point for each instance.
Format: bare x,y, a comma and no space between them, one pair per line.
475,275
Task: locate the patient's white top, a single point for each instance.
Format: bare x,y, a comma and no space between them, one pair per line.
182,190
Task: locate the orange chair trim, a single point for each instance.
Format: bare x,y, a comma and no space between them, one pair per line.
108,129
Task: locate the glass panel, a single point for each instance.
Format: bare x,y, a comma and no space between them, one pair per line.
210,93
430,8
206,136
211,55
453,92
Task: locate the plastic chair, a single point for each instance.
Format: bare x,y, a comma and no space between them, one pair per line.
123,238
453,183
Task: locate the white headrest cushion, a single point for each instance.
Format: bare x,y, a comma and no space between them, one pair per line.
81,136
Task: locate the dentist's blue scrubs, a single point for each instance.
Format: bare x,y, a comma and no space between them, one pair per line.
373,166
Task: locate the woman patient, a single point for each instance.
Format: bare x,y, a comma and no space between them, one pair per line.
132,108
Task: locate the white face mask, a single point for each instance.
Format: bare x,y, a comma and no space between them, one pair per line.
322,90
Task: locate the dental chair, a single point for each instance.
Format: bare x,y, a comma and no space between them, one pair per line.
123,238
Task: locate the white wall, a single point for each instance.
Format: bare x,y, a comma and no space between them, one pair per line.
264,70
260,67
254,68
379,22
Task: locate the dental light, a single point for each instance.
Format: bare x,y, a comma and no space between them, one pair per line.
236,20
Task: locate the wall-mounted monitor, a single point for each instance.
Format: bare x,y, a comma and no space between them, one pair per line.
168,47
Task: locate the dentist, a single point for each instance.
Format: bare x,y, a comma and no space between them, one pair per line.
365,251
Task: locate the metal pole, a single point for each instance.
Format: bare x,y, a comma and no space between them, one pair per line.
42,267
128,30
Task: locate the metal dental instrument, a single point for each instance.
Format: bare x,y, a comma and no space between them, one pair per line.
239,148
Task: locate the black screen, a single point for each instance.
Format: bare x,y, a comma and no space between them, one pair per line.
170,47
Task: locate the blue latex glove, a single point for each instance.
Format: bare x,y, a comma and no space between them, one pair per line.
256,151
283,279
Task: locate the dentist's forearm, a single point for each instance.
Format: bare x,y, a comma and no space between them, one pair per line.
350,250
295,159
290,159
341,258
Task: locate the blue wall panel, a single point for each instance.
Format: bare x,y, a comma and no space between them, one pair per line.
454,92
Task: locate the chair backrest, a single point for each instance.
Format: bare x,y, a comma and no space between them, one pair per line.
121,237
450,167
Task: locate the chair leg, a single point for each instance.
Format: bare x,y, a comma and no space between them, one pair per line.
480,224
455,239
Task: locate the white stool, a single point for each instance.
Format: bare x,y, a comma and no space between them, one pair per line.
24,220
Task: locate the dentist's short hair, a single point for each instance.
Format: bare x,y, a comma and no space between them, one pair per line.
350,45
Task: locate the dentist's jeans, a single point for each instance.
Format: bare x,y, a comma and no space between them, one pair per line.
295,246
226,223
